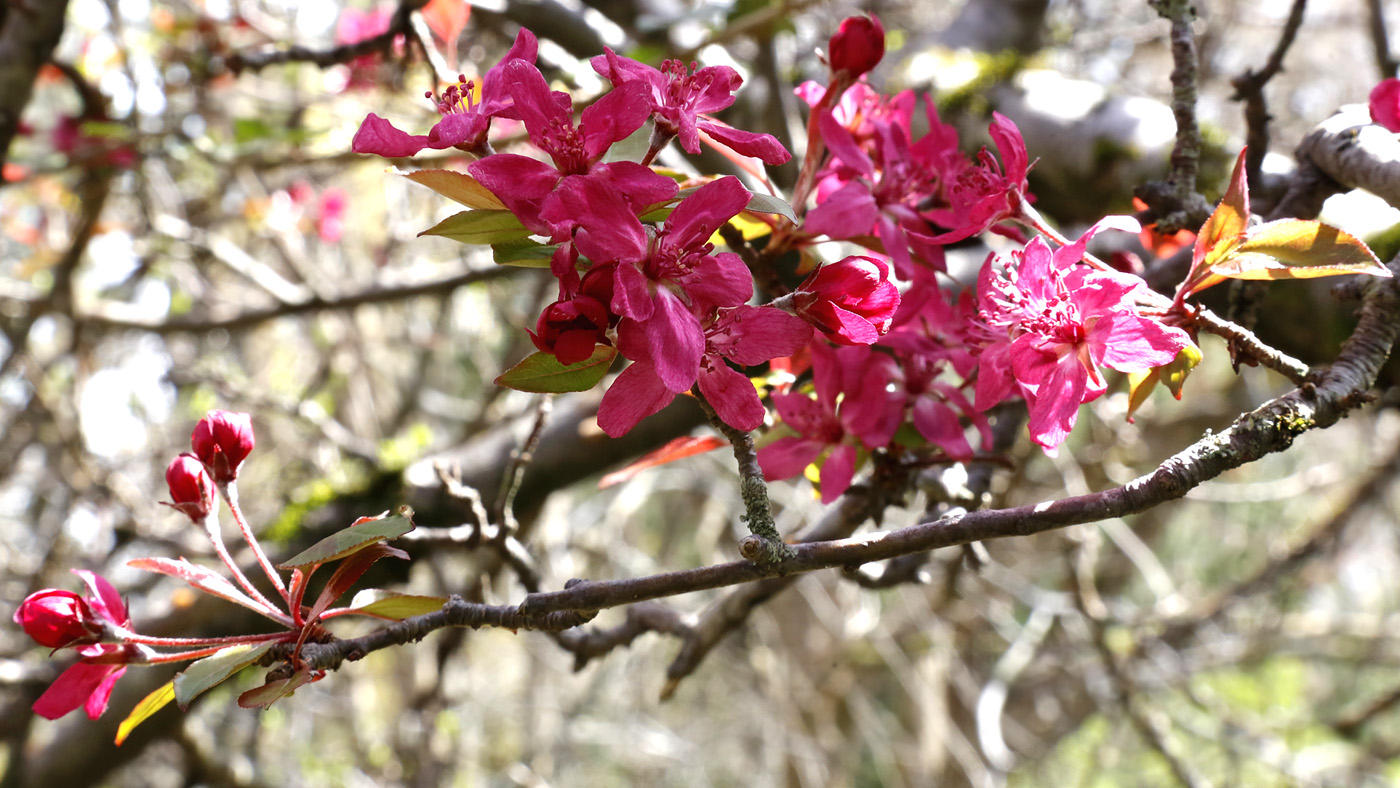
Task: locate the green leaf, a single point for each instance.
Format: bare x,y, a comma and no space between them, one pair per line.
479,227
393,605
361,534
523,253
1298,249
767,203
210,671
542,373
275,690
457,186
149,705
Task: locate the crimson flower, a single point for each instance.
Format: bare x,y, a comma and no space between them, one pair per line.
88,683
222,440
744,335
852,302
191,488
1050,324
853,406
527,186
664,281
984,195
1385,104
681,102
881,197
857,45
466,111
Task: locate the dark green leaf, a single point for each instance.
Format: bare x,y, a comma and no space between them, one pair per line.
361,534
523,253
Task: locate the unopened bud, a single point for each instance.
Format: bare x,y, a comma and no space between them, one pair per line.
221,440
857,45
55,618
191,489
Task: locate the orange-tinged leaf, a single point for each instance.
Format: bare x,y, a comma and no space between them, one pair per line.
1172,374
675,450
458,186
149,705
1224,227
1298,249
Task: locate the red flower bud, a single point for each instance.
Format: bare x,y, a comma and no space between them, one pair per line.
851,301
856,46
221,440
571,329
55,618
191,489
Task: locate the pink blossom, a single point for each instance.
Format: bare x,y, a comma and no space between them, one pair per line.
527,186
664,281
744,335
222,440
1050,324
882,196
853,407
1385,104
681,103
466,112
989,193
852,301
88,683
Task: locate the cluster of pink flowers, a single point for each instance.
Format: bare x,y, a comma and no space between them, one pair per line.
889,343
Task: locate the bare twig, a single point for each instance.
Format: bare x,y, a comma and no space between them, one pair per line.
1375,18
519,461
764,543
1177,204
400,24
1249,88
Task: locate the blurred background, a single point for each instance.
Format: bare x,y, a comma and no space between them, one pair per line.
184,228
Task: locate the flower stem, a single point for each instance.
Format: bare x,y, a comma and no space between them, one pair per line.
229,492
232,640
211,529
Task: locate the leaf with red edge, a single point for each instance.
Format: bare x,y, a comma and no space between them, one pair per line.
275,690
457,186
361,534
348,572
149,705
1222,230
447,18
675,450
541,373
206,580
213,670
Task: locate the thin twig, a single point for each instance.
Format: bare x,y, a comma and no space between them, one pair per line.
764,543
1177,204
400,24
1249,88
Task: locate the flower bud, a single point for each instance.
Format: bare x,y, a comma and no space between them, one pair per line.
191,489
571,329
55,618
221,440
851,301
857,45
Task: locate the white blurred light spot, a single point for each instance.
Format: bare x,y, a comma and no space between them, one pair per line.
117,404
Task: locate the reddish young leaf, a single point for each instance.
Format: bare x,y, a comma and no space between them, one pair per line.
675,450
541,373
275,690
1298,249
1222,230
206,580
348,572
